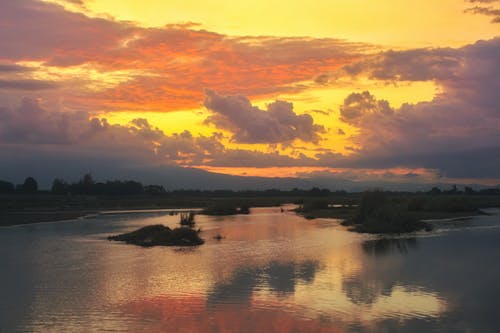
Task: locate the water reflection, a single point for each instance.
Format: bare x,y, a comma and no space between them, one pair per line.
365,291
274,272
167,314
279,278
385,246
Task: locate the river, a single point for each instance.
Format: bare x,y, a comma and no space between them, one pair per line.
272,272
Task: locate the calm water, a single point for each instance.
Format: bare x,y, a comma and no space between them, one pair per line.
273,272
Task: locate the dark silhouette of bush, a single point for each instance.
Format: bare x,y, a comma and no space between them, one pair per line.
244,209
371,201
187,219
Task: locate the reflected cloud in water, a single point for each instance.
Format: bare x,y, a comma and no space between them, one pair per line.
279,278
273,272
170,314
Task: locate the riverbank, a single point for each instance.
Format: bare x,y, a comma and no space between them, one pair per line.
18,218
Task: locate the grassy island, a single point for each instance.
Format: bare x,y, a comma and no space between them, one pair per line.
155,235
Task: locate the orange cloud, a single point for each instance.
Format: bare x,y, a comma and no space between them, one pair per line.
179,64
169,67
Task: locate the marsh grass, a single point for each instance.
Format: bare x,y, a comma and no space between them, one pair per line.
380,214
187,219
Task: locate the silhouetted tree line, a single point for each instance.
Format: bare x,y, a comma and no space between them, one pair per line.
30,185
466,191
88,186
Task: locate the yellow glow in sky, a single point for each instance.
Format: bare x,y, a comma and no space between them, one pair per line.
169,122
389,22
161,74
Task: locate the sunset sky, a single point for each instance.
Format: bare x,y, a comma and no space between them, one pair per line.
362,90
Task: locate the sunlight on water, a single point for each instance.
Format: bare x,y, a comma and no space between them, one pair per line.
272,272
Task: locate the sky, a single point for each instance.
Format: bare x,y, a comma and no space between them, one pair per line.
359,90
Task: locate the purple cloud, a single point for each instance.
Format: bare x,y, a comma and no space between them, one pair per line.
27,85
460,124
249,124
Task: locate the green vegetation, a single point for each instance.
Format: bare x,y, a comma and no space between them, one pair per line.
393,212
155,235
379,215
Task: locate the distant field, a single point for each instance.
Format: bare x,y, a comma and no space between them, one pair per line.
42,207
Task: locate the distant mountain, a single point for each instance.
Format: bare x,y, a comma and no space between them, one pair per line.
45,167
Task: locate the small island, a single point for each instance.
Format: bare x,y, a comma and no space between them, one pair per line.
383,212
160,235
378,215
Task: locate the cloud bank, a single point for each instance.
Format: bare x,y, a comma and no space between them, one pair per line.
249,124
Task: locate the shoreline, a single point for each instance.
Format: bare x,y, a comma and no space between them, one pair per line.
11,219
425,216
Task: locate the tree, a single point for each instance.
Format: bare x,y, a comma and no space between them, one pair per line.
86,185
87,179
30,185
6,187
59,186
